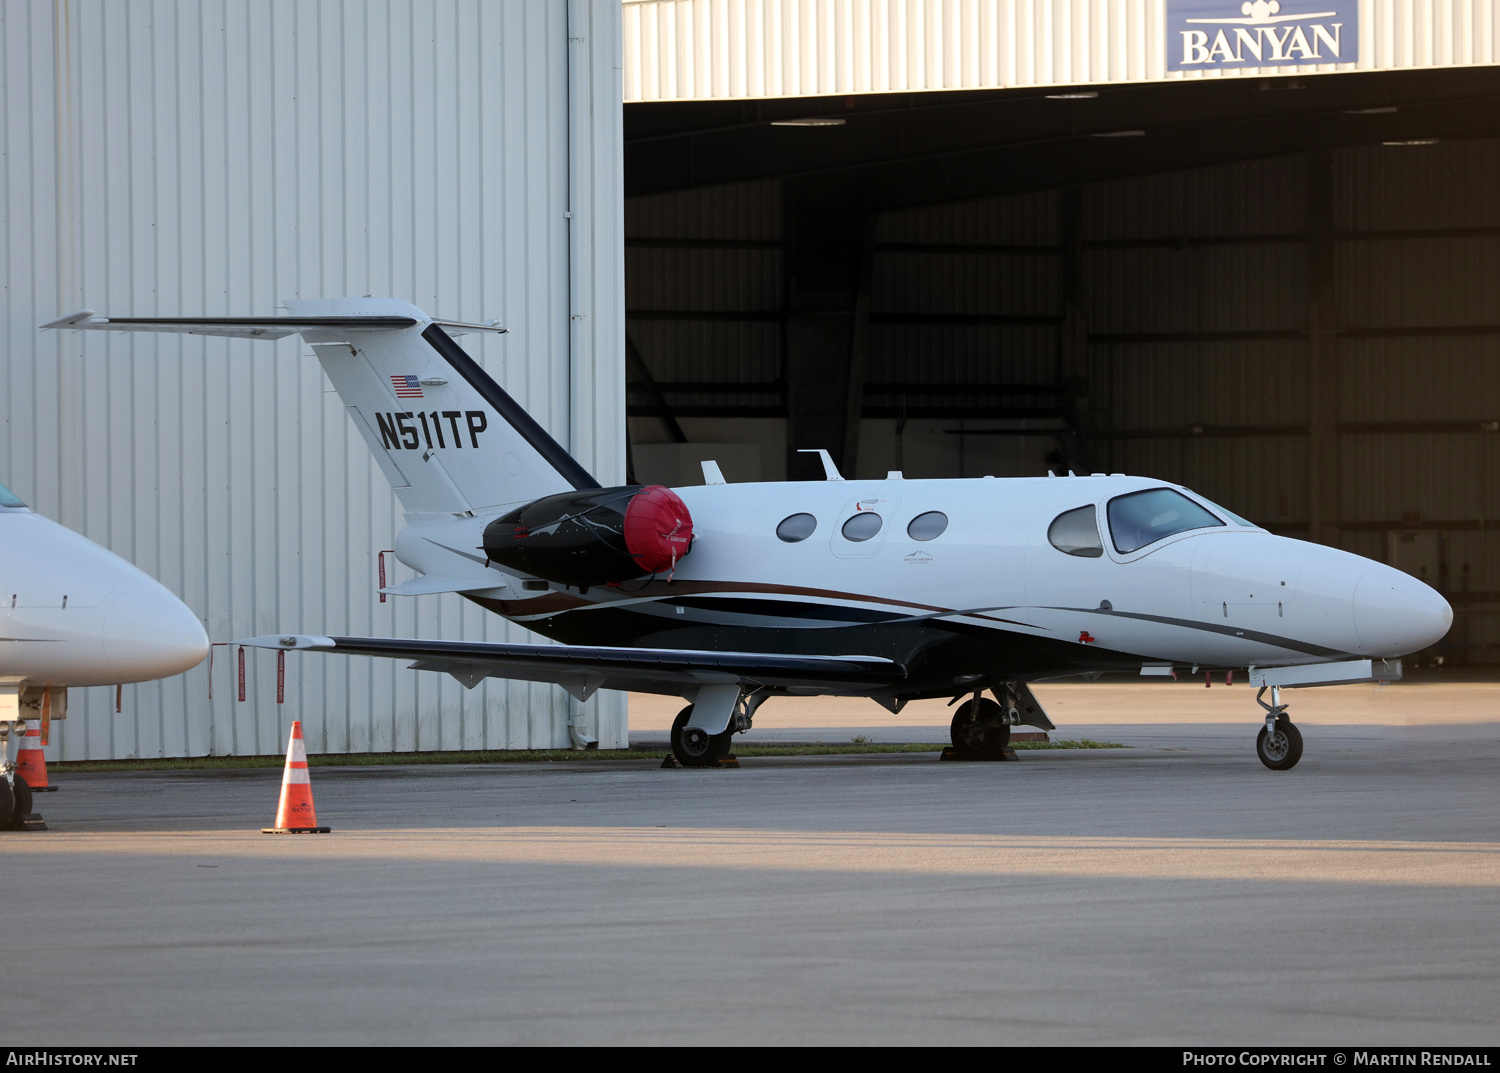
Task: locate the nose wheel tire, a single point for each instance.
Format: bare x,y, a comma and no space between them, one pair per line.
1282,749
979,729
694,747
14,812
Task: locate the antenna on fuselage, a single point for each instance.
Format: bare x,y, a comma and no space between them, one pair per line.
830,471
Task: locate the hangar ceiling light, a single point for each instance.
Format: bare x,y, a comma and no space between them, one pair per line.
1414,141
810,121
1090,95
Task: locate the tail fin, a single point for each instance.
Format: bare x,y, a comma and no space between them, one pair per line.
447,437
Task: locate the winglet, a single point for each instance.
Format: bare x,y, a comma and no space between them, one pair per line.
71,320
458,327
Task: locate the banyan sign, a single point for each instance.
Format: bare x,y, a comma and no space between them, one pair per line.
1216,35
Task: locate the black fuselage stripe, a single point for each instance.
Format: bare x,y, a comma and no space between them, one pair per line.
1211,627
786,609
509,409
801,610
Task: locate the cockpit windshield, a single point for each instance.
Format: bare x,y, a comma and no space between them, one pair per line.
9,498
1231,515
1142,518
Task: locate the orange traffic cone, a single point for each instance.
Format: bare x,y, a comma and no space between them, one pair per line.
31,765
295,815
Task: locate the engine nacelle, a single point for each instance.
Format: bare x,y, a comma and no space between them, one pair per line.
595,537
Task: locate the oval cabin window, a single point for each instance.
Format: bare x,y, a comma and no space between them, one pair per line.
862,526
928,526
797,527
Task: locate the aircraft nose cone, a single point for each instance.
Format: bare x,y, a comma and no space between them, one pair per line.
149,633
1394,613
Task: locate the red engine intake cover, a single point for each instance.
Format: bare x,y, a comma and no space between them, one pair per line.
658,528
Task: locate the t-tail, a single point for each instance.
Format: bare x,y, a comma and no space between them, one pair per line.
448,438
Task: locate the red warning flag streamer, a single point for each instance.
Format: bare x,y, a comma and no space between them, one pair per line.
381,559
119,690
242,672
281,676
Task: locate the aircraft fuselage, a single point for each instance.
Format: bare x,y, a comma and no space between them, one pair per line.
74,614
991,594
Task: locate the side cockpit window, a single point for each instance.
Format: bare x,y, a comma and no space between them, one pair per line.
1142,518
9,498
1076,533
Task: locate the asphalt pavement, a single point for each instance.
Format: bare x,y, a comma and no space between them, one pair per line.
1174,892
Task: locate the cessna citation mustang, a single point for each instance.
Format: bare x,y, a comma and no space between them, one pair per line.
892,589
74,614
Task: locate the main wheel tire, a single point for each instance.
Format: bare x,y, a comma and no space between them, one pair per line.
984,740
8,812
21,792
1279,751
695,748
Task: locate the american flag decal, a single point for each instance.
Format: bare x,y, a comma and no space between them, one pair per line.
407,387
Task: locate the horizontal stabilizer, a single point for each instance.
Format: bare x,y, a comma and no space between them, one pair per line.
656,670
447,437
256,327
427,585
234,327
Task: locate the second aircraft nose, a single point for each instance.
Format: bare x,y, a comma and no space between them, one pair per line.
149,633
1394,613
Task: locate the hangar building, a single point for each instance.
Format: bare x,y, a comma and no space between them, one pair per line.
1252,247
203,157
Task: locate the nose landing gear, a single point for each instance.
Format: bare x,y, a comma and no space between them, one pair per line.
15,794
1279,743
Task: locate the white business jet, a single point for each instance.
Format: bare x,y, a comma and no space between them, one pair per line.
74,614
890,589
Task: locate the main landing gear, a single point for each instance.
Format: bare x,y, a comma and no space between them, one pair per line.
695,747
981,728
1279,743
703,746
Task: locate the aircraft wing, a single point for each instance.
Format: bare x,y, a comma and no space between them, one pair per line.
583,669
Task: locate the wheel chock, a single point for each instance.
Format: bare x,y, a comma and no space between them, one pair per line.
671,762
951,753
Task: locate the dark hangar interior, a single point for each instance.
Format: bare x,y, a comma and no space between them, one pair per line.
1282,292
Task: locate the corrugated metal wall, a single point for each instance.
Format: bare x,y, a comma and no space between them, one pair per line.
719,49
211,158
1202,363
